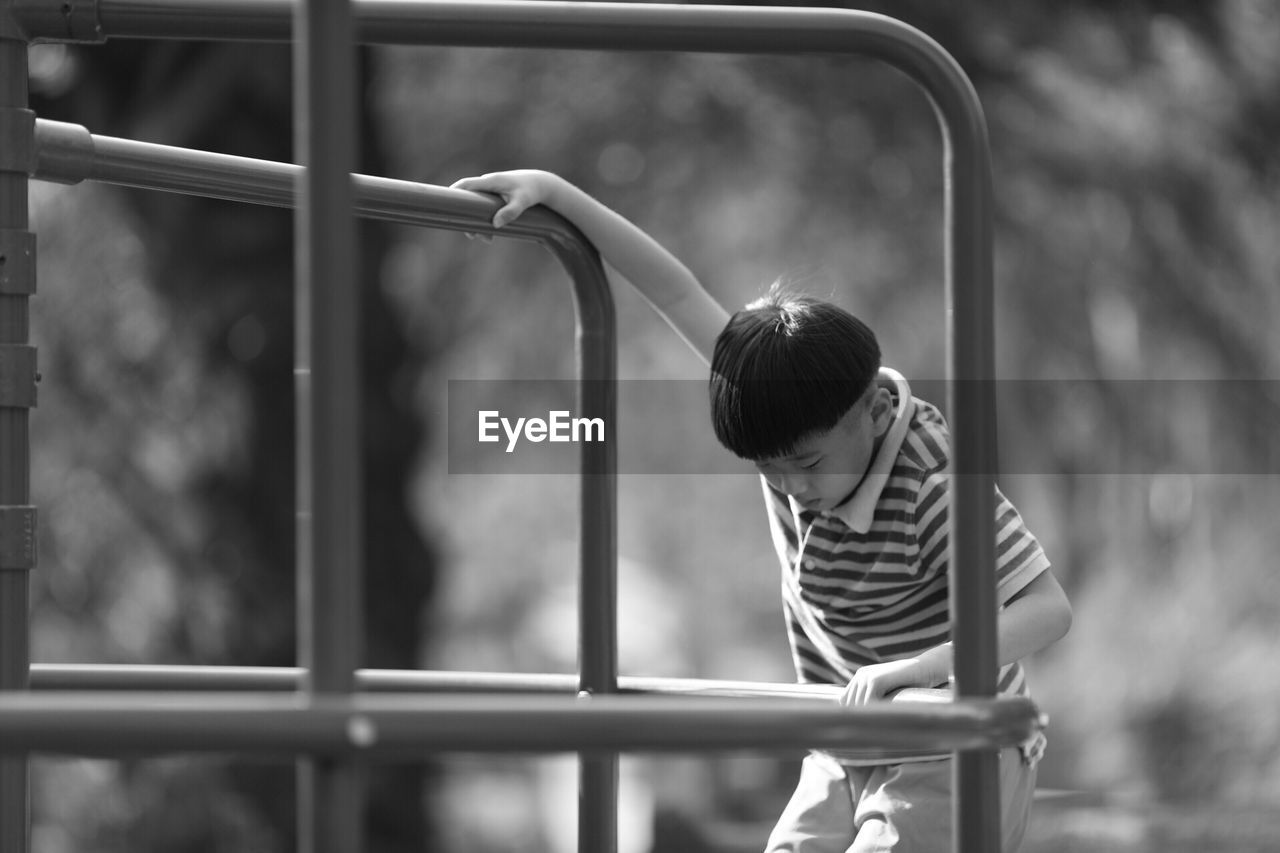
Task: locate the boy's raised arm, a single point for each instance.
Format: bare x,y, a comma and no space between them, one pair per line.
658,275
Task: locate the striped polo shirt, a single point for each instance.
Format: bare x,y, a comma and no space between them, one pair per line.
867,582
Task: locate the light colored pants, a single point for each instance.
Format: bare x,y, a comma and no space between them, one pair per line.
904,808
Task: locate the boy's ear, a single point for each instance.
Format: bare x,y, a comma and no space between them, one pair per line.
881,410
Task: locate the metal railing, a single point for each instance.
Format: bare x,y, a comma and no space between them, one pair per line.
336,716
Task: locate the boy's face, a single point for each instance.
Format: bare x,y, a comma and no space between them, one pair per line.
826,468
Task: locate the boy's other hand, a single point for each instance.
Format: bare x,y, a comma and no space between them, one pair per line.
876,681
520,189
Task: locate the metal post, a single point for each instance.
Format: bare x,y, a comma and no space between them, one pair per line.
329,482
976,801
17,396
598,595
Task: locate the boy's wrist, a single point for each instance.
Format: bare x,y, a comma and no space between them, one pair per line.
935,665
554,190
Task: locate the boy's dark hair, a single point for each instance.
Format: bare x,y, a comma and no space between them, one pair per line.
785,367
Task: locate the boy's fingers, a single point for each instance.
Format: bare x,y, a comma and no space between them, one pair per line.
513,208
476,185
513,197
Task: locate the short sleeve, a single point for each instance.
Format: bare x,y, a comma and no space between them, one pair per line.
1019,557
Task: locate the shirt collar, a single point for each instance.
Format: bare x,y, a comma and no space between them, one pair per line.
859,510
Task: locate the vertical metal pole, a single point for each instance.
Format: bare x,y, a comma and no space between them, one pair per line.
329,482
598,597
970,333
17,363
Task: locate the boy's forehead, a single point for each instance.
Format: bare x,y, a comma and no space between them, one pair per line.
811,445
818,443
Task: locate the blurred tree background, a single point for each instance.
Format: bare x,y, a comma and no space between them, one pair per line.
1138,285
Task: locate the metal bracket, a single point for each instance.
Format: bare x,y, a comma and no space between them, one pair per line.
18,548
17,262
17,139
68,21
18,376
63,152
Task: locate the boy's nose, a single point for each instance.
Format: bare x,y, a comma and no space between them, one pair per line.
796,487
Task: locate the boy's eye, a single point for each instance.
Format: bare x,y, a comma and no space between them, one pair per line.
812,465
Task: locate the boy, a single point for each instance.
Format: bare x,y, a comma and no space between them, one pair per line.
853,470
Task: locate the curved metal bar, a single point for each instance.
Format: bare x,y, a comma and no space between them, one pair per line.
69,153
401,728
715,29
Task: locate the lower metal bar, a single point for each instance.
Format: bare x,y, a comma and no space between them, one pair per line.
131,677
404,728
64,677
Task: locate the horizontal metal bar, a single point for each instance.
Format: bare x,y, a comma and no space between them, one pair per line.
129,677
69,153
83,677
492,23
405,728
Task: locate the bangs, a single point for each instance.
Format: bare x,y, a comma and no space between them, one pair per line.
761,418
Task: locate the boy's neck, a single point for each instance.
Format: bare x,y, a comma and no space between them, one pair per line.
875,452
